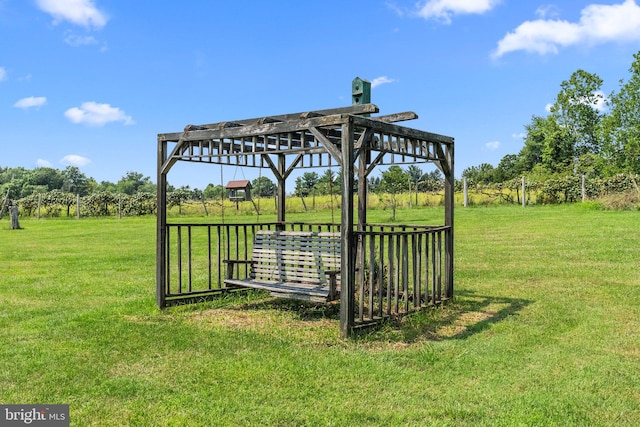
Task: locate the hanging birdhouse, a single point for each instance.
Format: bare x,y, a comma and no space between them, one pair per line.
239,191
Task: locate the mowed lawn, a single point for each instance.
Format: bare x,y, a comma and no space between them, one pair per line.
544,330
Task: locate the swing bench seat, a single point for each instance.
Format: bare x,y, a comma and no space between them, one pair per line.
301,265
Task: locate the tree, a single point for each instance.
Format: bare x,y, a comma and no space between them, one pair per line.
306,183
558,151
431,181
576,111
327,184
622,125
51,179
508,168
414,174
483,174
393,182
213,191
263,187
75,181
531,153
133,182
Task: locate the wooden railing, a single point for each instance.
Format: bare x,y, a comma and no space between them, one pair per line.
400,268
195,255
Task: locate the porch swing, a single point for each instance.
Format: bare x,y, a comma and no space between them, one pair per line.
302,265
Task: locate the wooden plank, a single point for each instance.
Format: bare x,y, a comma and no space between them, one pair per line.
281,287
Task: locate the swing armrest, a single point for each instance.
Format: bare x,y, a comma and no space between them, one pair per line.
332,278
232,262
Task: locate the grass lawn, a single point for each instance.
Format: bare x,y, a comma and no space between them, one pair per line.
544,330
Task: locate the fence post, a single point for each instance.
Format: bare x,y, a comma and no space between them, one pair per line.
78,205
584,189
524,193
466,192
13,213
39,203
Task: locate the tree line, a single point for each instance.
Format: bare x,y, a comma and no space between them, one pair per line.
585,133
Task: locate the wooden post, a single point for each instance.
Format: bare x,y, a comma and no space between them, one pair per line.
347,271
524,192
161,224
78,205
449,192
281,192
584,189
466,193
13,213
39,203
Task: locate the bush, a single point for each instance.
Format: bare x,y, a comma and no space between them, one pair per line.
629,200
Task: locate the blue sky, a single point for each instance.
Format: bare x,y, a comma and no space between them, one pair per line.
90,83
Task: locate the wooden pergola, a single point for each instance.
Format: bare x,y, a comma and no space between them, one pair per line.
413,263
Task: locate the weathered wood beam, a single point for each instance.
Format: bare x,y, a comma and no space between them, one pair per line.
397,117
330,146
272,166
374,163
354,109
389,128
293,165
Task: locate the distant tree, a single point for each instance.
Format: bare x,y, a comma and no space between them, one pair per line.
213,192
50,178
508,168
576,111
393,182
177,198
431,181
414,175
75,181
133,182
263,187
327,184
306,183
531,154
483,174
622,126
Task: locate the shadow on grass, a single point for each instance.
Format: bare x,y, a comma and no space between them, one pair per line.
307,311
467,314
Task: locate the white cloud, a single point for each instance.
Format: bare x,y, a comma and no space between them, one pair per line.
79,12
75,160
94,114
598,24
380,81
521,135
548,107
41,163
75,41
443,10
30,102
3,74
547,11
493,145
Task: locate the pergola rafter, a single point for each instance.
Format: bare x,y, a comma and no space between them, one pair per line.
347,137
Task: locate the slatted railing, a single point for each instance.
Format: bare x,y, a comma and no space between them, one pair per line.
400,268
195,255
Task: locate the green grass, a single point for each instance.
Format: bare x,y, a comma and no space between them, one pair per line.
544,330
